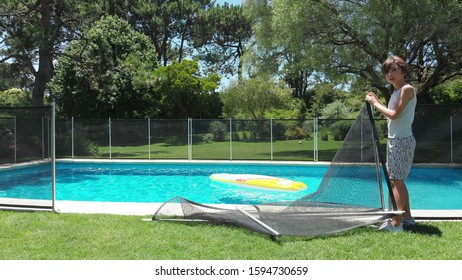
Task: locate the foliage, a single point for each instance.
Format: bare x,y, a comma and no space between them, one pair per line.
33,33
222,37
319,49
15,98
184,93
107,74
336,110
13,75
324,94
335,123
83,147
6,142
298,132
255,98
170,25
340,129
101,77
219,130
449,92
345,40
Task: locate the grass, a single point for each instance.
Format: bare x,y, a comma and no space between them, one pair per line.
241,150
53,236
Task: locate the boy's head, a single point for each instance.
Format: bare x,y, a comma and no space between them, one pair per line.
394,59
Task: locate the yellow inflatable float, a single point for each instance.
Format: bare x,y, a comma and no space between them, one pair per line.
259,181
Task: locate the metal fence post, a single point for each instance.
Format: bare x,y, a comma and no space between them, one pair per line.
315,139
452,144
43,138
230,139
110,140
271,138
53,157
72,137
190,139
149,138
15,139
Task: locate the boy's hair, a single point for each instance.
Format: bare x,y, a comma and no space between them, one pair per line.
399,61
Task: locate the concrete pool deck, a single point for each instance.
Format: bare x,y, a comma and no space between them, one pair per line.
145,209
148,209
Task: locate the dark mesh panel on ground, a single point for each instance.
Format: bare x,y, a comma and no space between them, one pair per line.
349,196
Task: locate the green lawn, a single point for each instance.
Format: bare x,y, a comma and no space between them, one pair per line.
241,150
36,236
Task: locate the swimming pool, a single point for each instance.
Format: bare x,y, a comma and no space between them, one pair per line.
430,188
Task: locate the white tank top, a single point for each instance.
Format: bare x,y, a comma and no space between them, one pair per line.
401,127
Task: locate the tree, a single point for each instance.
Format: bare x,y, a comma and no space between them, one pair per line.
34,32
255,98
222,37
270,56
350,39
108,73
12,75
169,25
336,110
184,93
447,93
15,98
324,94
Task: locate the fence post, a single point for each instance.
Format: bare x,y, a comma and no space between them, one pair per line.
53,156
271,138
72,137
15,139
189,138
43,138
315,139
230,139
452,144
149,138
362,137
110,140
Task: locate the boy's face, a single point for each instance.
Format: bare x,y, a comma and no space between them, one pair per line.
395,73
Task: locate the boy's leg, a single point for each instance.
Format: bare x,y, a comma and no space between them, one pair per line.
402,200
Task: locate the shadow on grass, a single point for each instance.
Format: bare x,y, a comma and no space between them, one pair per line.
424,229
342,234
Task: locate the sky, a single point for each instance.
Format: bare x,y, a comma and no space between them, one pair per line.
232,2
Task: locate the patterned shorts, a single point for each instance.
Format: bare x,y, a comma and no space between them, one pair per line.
400,154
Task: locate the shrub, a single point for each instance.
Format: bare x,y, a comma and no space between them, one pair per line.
279,130
324,136
297,132
340,130
83,147
218,129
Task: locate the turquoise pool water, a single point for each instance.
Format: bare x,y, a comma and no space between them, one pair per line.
430,188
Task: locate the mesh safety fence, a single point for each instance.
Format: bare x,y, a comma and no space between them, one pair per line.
25,143
437,129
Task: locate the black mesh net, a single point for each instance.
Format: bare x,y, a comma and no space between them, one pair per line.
24,134
438,132
25,140
349,196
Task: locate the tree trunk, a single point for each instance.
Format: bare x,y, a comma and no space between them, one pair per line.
45,68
